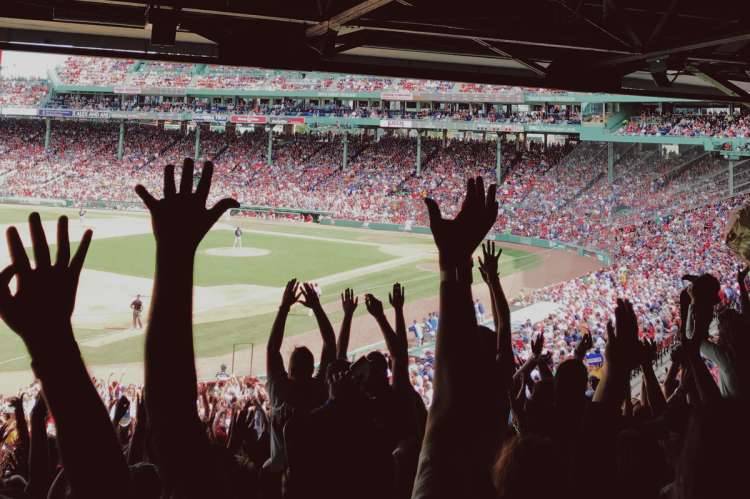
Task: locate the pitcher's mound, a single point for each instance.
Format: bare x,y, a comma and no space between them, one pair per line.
237,251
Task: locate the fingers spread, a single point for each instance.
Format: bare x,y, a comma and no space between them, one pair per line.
204,185
63,243
5,276
219,208
433,211
39,241
17,251
186,180
146,197
169,188
76,263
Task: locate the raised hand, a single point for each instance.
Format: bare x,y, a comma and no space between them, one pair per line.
397,297
291,294
623,347
47,287
583,346
374,306
310,296
180,220
742,275
121,408
488,262
458,238
348,301
537,344
39,411
648,352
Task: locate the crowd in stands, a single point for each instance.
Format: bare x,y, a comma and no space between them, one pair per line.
689,125
22,92
494,413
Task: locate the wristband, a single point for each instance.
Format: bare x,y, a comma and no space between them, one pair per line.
457,274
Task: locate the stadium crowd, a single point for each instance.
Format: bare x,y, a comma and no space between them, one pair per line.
689,125
486,416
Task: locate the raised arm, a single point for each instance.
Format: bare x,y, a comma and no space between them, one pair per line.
656,400
39,479
274,362
620,357
311,301
453,463
180,221
488,268
40,313
744,299
583,346
395,341
349,304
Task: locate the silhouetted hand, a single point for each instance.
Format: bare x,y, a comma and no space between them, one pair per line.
291,294
488,262
458,238
121,408
310,296
648,352
623,348
397,297
584,345
374,306
349,302
180,220
742,276
40,310
537,344
39,411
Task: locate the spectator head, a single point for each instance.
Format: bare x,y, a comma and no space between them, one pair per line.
516,472
378,377
705,289
710,464
570,382
301,363
145,481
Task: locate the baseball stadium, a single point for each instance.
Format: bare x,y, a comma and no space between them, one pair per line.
362,159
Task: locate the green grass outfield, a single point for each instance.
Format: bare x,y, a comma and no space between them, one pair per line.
306,259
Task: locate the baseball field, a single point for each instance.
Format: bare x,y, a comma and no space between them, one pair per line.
238,289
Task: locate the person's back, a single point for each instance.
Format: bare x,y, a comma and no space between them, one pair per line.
354,454
295,393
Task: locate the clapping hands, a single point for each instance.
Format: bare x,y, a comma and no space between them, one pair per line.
623,349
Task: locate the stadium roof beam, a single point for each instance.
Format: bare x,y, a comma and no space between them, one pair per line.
741,36
663,20
724,85
527,63
342,18
580,45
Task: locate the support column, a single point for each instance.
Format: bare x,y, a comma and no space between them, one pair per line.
445,138
269,157
197,153
47,133
610,162
419,152
121,141
731,177
345,158
499,159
